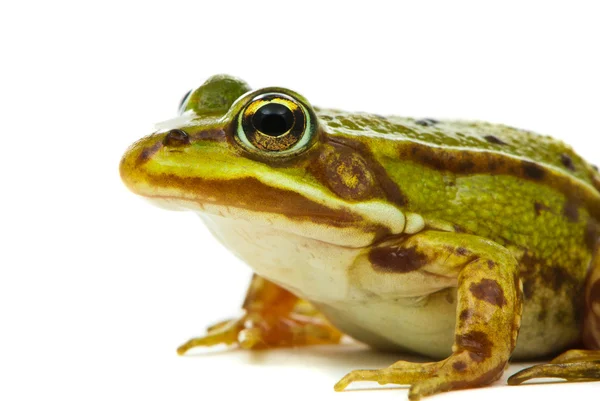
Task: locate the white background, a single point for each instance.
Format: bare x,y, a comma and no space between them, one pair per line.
97,288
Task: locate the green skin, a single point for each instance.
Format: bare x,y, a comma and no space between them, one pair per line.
507,217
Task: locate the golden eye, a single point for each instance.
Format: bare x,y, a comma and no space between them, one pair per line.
275,123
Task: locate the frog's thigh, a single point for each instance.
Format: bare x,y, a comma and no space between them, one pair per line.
576,365
591,327
489,306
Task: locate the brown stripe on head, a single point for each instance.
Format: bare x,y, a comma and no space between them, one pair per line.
251,194
147,153
173,141
217,135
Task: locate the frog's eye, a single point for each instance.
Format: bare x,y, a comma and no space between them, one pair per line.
275,123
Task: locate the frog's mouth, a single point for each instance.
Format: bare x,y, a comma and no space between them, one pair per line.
279,209
210,180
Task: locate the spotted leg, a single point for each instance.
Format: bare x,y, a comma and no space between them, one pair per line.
489,306
273,317
576,365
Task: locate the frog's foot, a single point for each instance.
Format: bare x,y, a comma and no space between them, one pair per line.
453,373
273,317
573,365
257,331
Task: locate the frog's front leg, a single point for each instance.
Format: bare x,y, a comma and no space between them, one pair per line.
489,306
273,317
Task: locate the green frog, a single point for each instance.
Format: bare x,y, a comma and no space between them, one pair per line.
467,242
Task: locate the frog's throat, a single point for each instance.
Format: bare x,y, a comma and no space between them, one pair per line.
364,224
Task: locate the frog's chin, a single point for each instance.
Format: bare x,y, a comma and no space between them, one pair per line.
167,204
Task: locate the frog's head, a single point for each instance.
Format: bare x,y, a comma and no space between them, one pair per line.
261,156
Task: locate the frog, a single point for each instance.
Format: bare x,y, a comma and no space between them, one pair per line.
467,242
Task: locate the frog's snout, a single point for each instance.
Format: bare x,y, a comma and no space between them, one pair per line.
131,167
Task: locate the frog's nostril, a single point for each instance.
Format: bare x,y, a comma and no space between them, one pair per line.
176,137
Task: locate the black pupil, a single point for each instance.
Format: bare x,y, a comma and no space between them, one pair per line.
273,119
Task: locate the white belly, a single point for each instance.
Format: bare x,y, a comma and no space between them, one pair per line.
319,272
423,325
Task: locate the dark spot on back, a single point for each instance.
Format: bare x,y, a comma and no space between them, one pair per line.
592,234
532,170
542,315
459,229
538,207
491,264
459,366
489,291
395,259
571,212
527,289
426,122
566,160
461,251
556,277
494,139
476,343
561,316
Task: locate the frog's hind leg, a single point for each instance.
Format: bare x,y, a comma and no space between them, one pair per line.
584,368
273,317
576,365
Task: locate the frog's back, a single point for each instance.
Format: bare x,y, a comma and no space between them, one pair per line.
502,140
